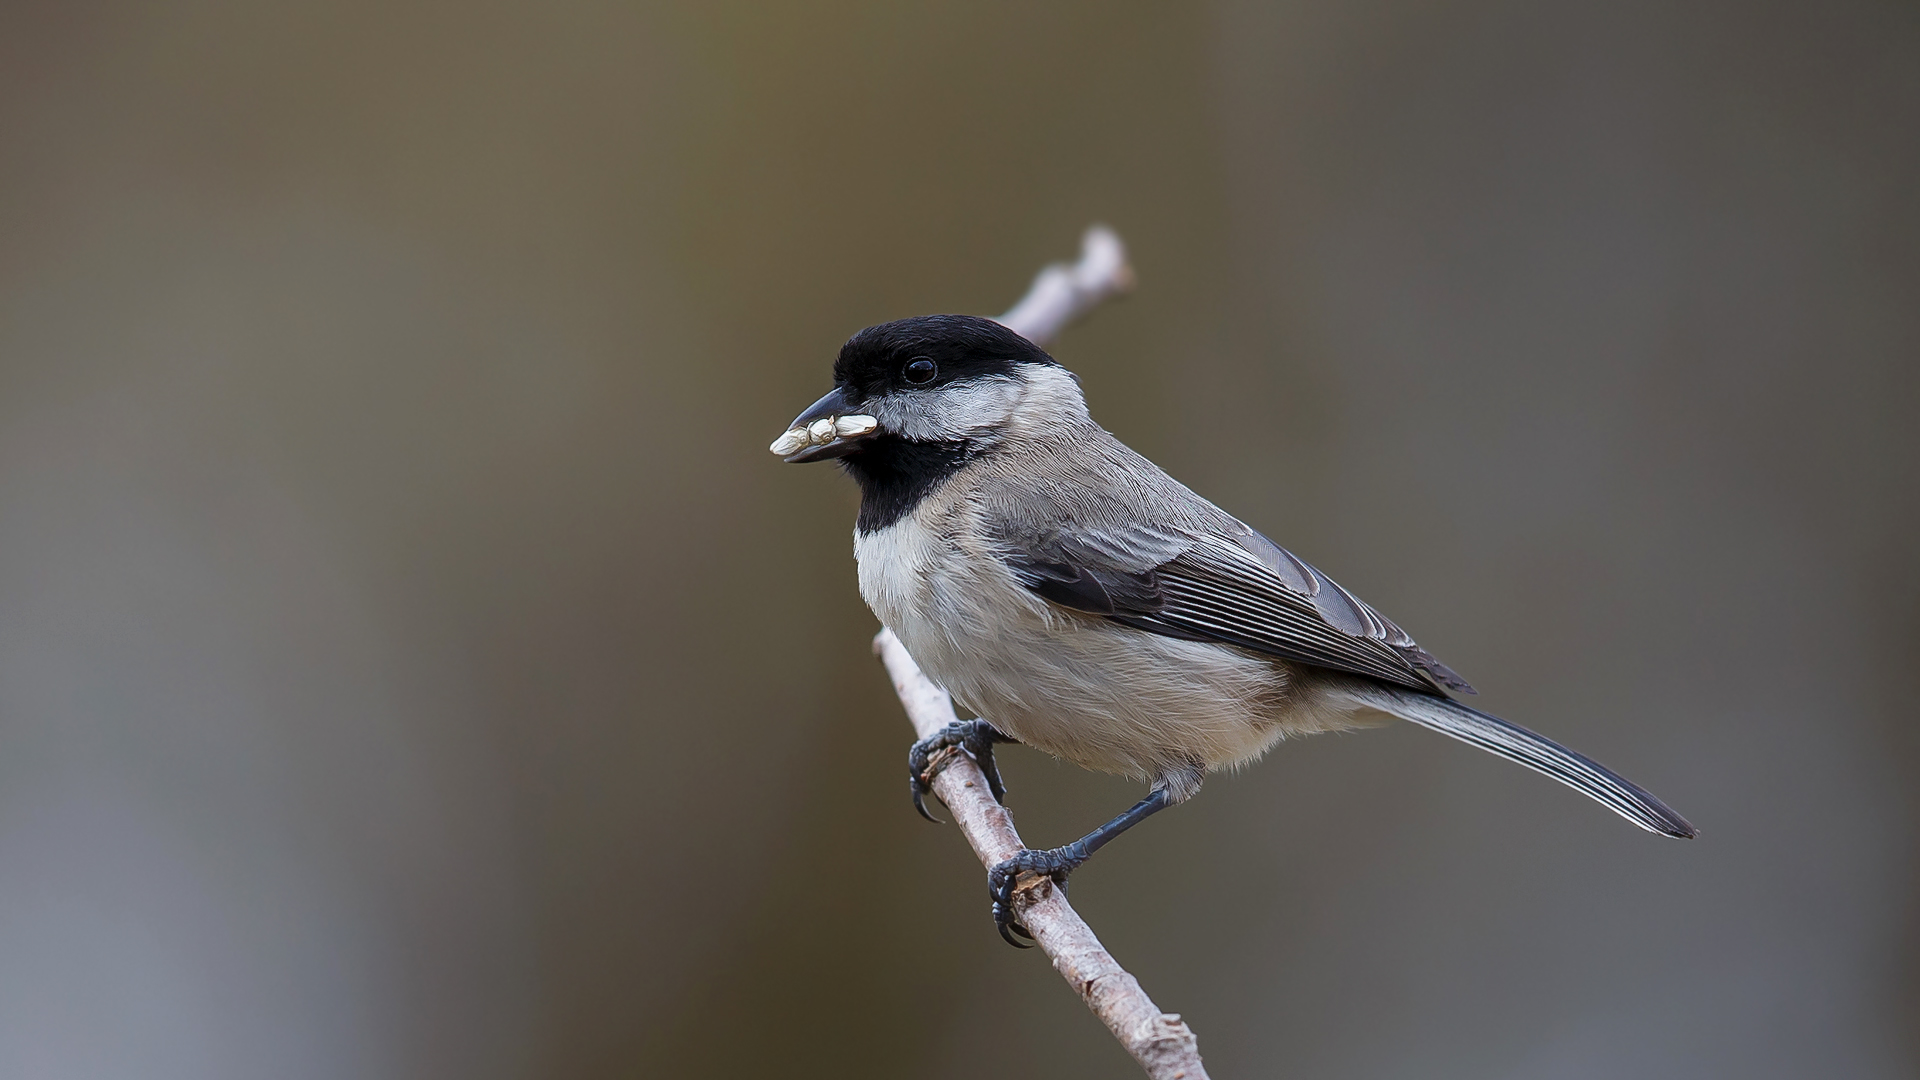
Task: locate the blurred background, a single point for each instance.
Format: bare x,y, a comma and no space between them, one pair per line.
412,663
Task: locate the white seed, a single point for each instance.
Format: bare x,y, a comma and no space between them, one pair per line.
821,430
793,439
848,426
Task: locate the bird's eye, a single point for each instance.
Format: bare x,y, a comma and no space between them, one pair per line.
920,371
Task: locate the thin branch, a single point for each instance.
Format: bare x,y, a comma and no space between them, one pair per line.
1161,1042
1063,292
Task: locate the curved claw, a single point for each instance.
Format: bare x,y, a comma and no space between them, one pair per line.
1000,881
1002,889
919,802
1055,863
1008,929
976,738
919,757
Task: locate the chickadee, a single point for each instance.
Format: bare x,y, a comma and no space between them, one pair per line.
1083,602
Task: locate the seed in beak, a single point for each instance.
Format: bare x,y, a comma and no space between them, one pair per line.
821,431
794,439
848,426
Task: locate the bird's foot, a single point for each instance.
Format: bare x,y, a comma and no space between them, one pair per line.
975,738
1004,880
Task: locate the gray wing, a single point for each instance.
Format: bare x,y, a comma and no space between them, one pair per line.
1229,585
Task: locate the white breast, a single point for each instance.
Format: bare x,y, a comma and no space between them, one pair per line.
1099,694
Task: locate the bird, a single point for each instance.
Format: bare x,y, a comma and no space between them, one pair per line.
1079,600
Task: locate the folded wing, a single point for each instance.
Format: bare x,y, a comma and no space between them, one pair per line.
1237,588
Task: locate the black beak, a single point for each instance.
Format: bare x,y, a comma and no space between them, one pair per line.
830,428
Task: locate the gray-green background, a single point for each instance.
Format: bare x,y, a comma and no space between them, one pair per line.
412,664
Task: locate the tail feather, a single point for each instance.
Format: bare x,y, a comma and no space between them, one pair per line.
1537,752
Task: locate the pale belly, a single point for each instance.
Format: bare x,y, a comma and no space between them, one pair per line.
1101,695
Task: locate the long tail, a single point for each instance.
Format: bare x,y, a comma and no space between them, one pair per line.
1515,743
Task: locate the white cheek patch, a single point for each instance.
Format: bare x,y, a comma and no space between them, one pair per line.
956,411
821,432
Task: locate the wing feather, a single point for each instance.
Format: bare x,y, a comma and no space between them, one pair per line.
1239,589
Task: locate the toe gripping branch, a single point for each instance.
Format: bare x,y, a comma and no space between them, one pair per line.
1056,863
975,738
1052,863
